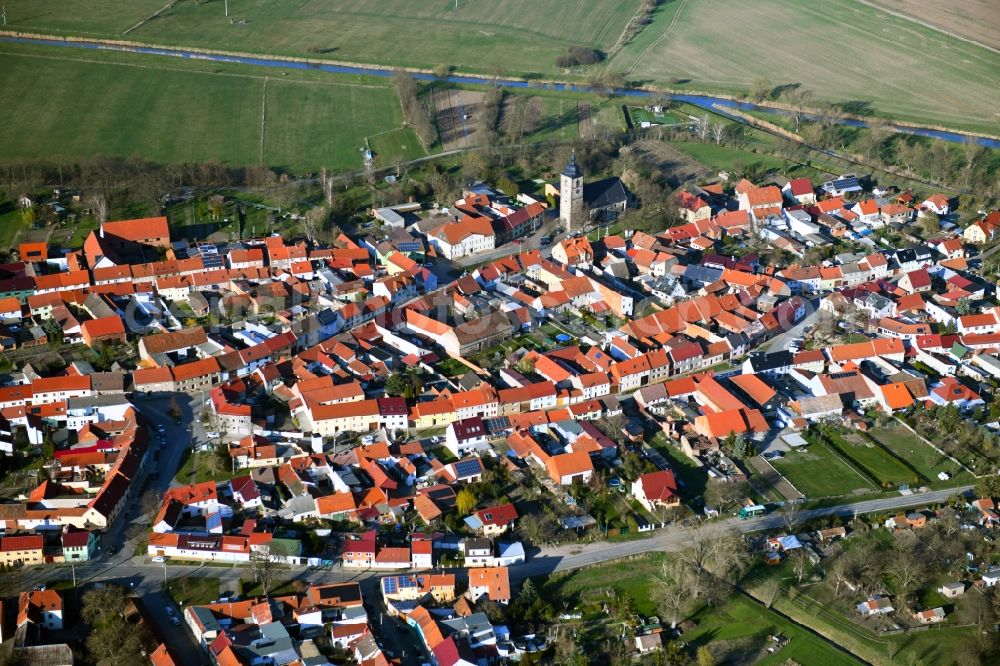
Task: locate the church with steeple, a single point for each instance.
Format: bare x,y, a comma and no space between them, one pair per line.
571,196
580,204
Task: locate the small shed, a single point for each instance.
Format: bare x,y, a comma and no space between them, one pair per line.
952,590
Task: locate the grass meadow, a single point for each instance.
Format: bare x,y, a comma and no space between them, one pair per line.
61,103
817,472
870,61
519,35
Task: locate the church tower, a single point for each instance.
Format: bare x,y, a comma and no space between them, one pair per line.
571,196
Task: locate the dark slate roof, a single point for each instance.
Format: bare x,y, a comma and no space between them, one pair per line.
702,274
572,170
763,362
605,193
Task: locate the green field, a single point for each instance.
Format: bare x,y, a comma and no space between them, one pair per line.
923,458
729,159
886,469
171,111
640,115
520,35
400,143
842,50
817,472
864,58
740,618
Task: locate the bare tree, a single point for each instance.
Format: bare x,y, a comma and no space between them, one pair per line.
326,181
702,127
99,204
728,558
718,132
907,570
215,204
797,98
312,222
791,516
672,589
151,500
265,566
878,133
840,573
800,564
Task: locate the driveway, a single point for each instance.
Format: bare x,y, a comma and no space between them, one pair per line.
777,481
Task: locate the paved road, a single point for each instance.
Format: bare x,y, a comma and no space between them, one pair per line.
812,318
147,576
147,579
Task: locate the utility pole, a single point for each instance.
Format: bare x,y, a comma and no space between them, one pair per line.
227,8
4,11
73,567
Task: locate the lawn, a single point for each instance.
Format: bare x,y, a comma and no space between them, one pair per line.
583,588
169,110
521,35
724,158
923,458
397,144
640,115
857,55
11,225
817,472
188,590
196,467
877,462
741,618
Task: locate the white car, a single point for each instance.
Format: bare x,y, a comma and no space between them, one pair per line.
211,434
159,559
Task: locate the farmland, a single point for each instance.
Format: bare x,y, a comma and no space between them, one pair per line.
867,60
873,62
971,19
167,111
519,35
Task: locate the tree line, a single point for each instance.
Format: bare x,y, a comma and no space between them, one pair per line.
415,110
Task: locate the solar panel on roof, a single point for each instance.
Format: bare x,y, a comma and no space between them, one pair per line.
467,467
389,585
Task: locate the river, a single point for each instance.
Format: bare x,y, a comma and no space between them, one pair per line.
718,104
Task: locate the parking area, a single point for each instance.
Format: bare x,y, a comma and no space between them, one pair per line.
172,630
